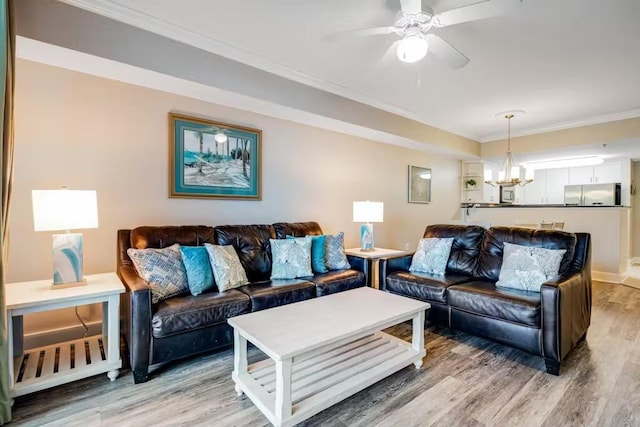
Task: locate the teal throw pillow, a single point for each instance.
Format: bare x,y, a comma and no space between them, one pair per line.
291,258
199,273
318,253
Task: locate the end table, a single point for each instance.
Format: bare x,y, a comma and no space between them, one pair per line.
44,367
372,258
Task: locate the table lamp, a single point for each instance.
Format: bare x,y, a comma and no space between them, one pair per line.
367,212
65,210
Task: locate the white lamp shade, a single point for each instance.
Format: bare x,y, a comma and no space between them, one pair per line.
64,209
529,173
368,211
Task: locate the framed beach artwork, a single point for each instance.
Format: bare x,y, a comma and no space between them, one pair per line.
419,185
216,160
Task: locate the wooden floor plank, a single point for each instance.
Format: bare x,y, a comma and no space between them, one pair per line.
464,381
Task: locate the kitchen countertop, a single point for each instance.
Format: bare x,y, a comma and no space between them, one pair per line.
514,205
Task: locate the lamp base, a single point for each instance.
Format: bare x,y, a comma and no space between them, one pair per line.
368,250
366,237
67,260
83,282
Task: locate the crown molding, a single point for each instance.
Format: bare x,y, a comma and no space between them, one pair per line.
170,30
61,57
614,117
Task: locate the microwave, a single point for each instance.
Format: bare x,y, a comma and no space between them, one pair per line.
507,195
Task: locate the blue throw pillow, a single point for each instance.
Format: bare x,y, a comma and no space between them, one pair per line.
199,273
318,253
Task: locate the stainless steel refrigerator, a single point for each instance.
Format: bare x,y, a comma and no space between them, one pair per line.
592,195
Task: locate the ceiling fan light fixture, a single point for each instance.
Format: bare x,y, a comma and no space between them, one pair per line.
412,48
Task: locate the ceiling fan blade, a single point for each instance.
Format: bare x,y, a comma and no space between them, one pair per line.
445,52
363,32
391,54
481,10
411,7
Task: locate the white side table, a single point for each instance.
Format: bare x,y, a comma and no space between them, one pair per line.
372,258
49,366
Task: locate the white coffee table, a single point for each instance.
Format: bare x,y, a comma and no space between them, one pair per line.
323,350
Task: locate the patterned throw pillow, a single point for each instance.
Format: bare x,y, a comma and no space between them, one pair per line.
526,268
162,269
227,269
318,253
291,258
198,268
336,258
432,255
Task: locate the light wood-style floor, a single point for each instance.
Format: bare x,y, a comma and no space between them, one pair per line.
465,381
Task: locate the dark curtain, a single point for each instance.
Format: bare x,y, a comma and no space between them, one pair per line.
7,68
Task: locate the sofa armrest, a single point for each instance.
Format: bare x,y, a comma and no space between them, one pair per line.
392,264
137,312
360,264
566,314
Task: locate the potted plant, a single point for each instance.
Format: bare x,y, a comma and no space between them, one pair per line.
470,183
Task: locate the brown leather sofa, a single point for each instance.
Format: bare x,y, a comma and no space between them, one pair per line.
548,324
186,325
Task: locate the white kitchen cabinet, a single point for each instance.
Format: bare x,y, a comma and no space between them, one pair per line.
607,173
599,174
547,187
579,175
534,192
555,181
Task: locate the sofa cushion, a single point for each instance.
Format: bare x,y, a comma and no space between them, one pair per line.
198,268
162,268
185,313
432,255
336,257
490,259
278,292
338,281
467,241
483,298
291,258
424,286
526,267
163,236
227,269
296,229
252,245
318,252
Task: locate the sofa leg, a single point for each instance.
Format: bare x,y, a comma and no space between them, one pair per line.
553,367
582,338
140,375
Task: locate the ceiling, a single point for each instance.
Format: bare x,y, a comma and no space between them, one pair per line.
565,62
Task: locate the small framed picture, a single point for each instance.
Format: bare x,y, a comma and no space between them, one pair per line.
209,159
419,184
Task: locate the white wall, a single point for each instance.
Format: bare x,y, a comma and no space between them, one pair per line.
86,132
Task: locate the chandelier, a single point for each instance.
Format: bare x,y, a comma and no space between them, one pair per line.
509,175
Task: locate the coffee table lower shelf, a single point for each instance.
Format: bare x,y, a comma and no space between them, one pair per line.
325,377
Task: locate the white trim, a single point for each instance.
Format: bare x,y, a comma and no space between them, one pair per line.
45,53
602,276
614,117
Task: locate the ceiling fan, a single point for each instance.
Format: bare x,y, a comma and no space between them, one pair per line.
415,22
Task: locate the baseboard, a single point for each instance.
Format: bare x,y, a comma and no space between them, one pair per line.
634,282
634,261
602,276
54,336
